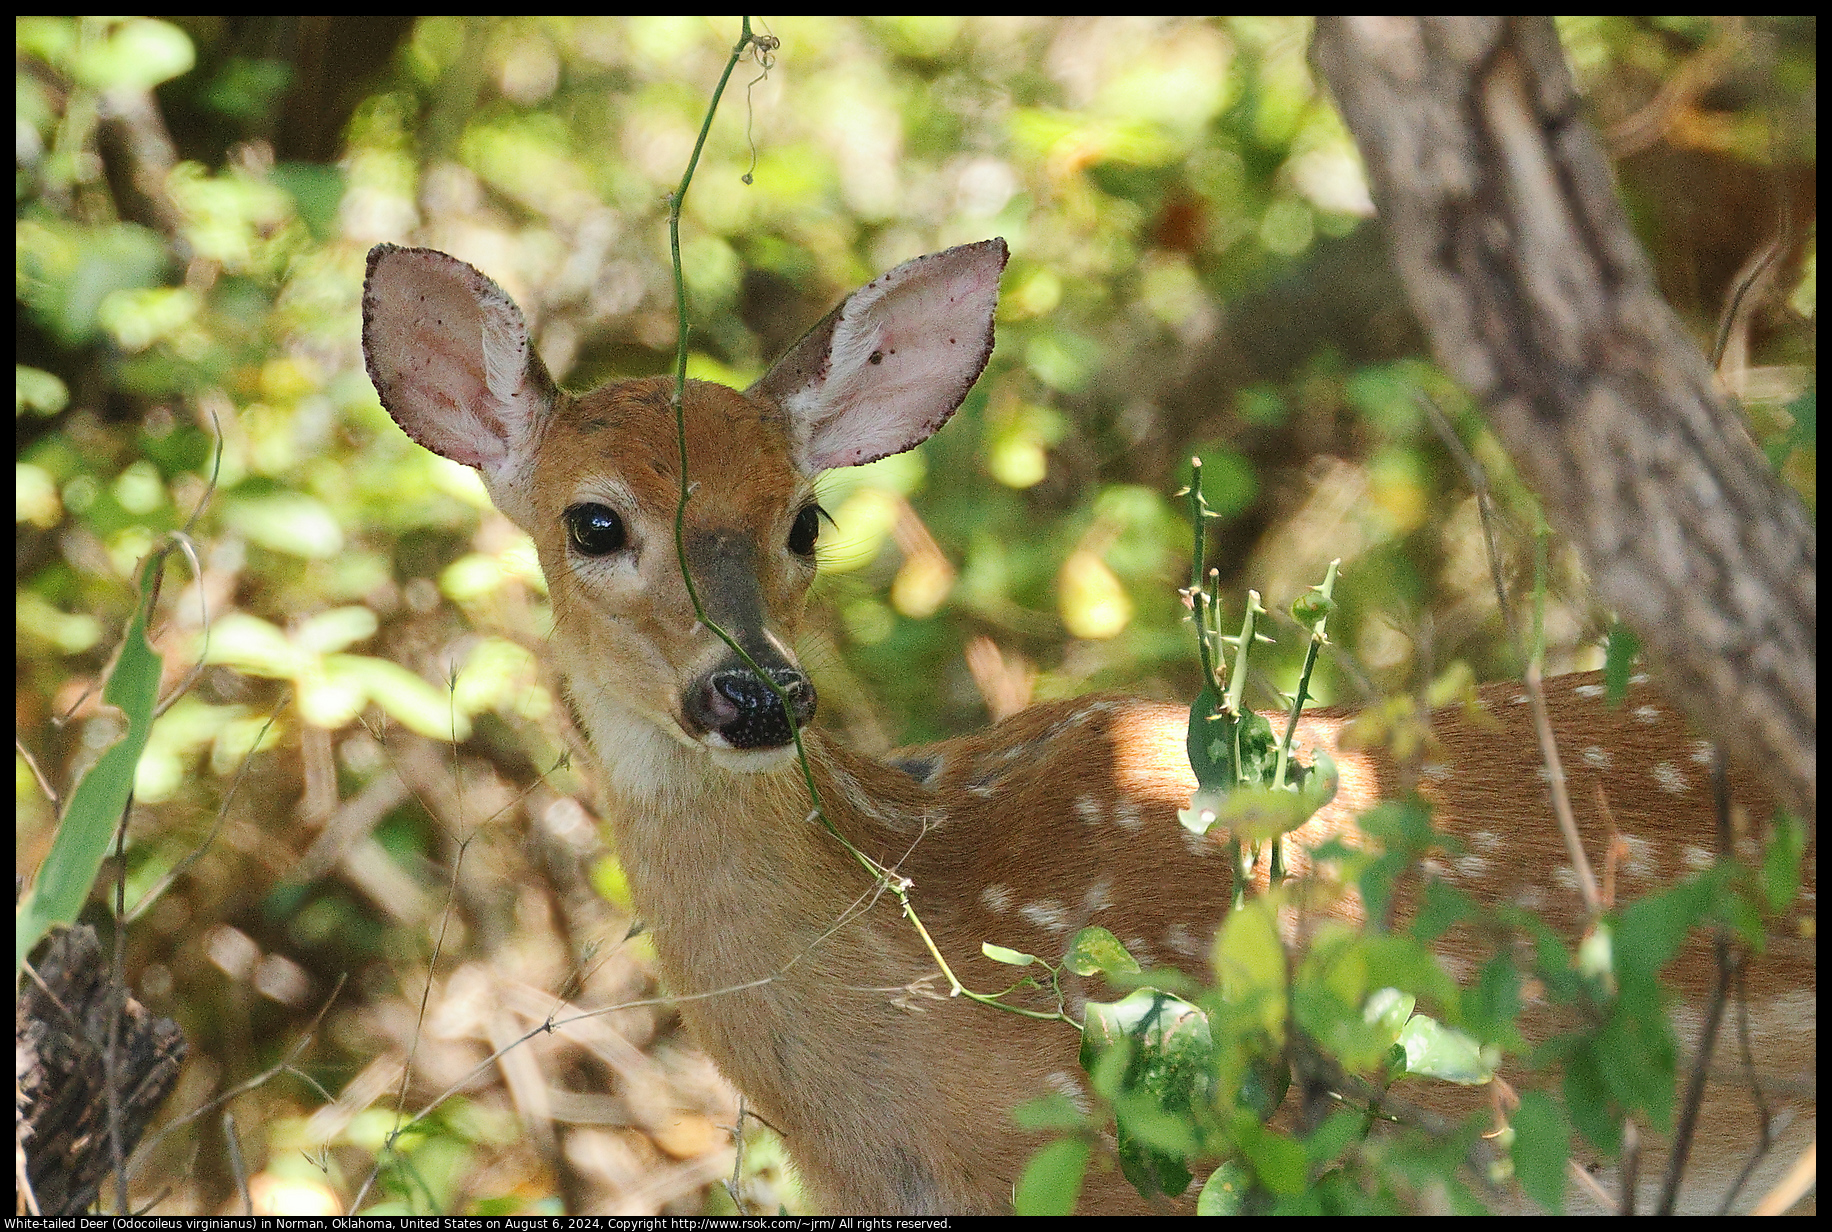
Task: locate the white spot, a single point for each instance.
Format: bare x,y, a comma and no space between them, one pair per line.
1671,778
1591,691
996,898
1701,752
1646,714
1697,857
1485,841
1435,771
1520,699
1064,1082
1098,897
1530,898
1640,859
1564,877
1596,756
1474,867
853,791
1638,678
1127,815
1435,867
1177,938
1087,808
982,790
1142,952
1047,914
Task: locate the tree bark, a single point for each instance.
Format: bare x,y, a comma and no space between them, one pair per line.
1519,260
61,1033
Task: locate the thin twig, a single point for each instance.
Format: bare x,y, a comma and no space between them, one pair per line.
1631,1166
1561,797
1714,1012
1792,1187
238,1169
1581,1174
1477,478
1764,1133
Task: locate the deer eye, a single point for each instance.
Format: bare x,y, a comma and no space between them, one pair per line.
806,530
595,530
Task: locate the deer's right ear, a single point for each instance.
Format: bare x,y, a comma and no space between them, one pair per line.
449,354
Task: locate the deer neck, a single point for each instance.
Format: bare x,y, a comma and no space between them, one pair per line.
700,842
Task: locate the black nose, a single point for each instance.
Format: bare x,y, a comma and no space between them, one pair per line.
743,710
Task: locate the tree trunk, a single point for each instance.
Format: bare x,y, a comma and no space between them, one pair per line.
61,1030
1519,260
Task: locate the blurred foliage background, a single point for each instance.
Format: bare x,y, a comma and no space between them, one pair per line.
1195,270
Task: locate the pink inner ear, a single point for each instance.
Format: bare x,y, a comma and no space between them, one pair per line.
902,354
449,354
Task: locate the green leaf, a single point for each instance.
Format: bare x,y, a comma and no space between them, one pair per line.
1390,1008
1254,814
1226,1190
38,391
1781,862
405,697
1011,958
1587,1101
1169,1055
1542,1143
1211,743
335,630
1619,654
1051,1183
1443,909
1492,1004
1652,929
1204,812
1401,962
288,522
95,807
1249,960
1098,952
137,54
1277,1161
1638,1057
64,271
1434,1050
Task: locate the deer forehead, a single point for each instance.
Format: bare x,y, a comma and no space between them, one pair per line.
619,442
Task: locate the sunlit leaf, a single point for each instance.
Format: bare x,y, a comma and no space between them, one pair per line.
95,806
1051,1183
1097,951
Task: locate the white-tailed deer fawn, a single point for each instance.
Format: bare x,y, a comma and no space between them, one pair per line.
800,978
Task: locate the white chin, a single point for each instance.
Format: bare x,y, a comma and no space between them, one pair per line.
747,761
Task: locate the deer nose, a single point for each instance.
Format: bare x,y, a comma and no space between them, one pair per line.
736,705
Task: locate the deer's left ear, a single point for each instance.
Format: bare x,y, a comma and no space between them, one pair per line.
885,369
